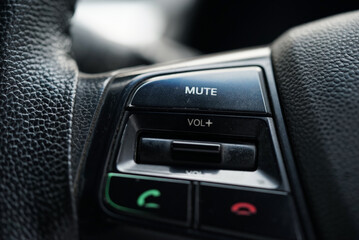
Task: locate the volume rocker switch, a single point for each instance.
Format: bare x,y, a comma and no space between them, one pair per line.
185,151
196,153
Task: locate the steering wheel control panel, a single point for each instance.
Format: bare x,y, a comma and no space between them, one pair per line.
199,150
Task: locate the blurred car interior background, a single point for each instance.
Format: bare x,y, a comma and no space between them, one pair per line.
113,34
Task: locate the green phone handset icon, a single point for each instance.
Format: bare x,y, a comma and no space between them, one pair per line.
141,200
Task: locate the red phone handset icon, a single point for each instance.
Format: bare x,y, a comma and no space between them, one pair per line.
243,209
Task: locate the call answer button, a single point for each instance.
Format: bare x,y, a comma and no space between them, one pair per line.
149,197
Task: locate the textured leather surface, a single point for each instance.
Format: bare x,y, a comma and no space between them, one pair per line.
37,90
88,95
317,71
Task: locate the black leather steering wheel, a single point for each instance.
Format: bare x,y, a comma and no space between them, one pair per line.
47,112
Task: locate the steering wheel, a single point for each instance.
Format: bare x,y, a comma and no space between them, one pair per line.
52,117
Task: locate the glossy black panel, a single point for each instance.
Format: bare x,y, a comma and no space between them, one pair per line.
237,89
